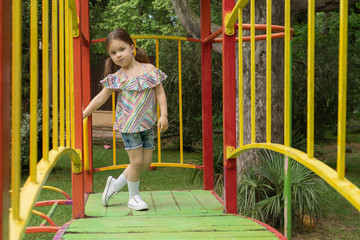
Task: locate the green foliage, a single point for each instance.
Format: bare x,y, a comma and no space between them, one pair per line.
326,70
25,136
261,190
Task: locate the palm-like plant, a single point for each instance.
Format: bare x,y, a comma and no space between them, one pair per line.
261,190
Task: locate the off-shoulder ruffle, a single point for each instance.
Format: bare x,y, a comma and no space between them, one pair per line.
139,83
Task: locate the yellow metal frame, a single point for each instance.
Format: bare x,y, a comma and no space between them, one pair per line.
23,200
122,166
231,18
31,190
343,186
335,178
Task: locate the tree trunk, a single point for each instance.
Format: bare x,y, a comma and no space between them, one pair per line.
277,88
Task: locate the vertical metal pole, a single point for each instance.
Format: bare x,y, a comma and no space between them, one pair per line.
86,84
342,89
287,169
16,80
77,179
180,106
45,79
206,94
229,112
5,85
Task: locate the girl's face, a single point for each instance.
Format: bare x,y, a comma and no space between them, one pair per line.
121,52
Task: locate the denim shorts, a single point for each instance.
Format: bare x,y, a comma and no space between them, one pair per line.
140,139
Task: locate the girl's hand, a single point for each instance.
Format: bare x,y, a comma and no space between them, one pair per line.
162,124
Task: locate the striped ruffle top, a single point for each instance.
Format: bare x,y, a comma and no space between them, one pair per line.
136,102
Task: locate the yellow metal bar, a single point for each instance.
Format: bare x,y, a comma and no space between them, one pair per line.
241,79
231,18
55,72
67,75
122,166
71,77
342,89
310,77
75,20
62,71
31,191
86,144
268,71
287,76
16,108
252,46
343,186
33,87
158,109
180,106
158,37
114,134
45,80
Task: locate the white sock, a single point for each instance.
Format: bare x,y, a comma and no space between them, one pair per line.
133,188
121,181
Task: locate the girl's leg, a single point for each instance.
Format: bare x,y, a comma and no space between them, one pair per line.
132,172
147,156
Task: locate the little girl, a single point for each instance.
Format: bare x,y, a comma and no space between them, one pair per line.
139,86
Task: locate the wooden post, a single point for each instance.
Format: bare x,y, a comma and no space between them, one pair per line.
206,93
229,112
5,88
78,179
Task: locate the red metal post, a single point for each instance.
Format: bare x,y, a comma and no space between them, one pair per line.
78,179
5,88
86,97
229,112
206,91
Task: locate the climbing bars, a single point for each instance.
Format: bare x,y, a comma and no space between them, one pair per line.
160,163
23,199
335,178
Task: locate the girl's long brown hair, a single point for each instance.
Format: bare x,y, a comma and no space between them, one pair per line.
121,34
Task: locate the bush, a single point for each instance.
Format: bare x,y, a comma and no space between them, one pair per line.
25,136
261,190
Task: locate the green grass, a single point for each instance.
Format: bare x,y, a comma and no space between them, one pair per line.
342,220
159,179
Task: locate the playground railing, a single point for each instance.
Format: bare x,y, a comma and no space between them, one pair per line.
160,162
335,178
57,87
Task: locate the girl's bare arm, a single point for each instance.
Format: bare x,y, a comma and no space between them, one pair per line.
97,101
161,98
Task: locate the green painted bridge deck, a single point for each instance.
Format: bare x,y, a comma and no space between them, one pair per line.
171,215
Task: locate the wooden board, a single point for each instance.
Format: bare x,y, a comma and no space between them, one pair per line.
171,215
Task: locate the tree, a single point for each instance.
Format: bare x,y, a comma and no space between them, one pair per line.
191,22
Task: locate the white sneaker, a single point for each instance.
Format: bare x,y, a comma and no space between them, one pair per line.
136,203
109,191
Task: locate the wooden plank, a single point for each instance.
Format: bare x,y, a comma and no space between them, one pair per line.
118,205
164,224
171,215
93,207
165,203
180,235
188,204
209,201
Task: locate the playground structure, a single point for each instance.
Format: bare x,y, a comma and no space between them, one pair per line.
70,57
